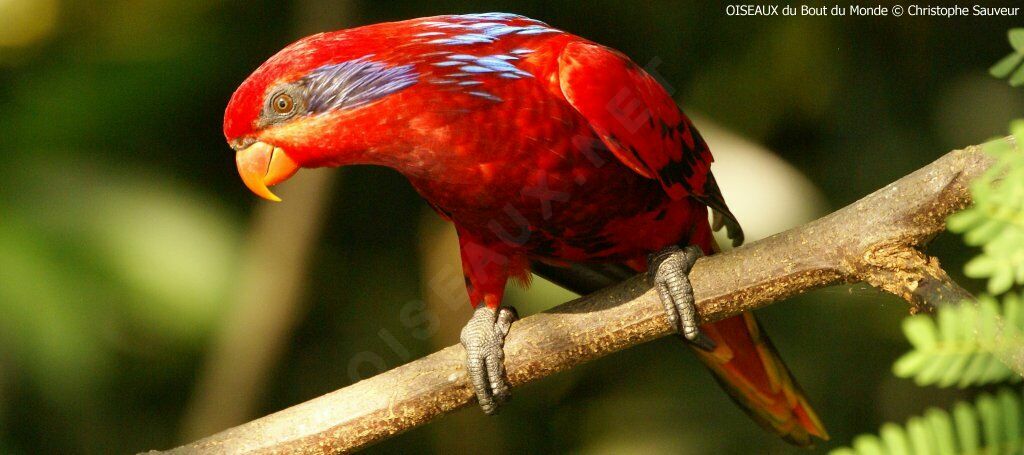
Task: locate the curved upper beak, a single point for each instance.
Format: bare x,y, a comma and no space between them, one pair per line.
262,165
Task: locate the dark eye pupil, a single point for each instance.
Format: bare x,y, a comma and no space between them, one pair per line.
283,104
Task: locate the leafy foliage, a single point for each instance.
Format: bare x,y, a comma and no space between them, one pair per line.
969,345
996,220
1010,66
962,345
992,425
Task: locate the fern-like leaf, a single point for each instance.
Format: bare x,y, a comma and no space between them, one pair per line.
1010,66
996,220
992,425
964,344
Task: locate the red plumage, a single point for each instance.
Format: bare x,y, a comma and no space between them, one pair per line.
537,144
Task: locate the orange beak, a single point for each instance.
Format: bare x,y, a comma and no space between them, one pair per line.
262,165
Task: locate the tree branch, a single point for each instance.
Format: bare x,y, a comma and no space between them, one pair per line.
874,240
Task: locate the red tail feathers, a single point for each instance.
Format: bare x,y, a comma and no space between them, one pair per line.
746,364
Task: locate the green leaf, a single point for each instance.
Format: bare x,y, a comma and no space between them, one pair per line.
920,435
995,147
1005,67
895,439
1010,407
1009,66
921,332
1000,281
975,370
964,220
1016,36
868,445
910,363
1012,314
966,427
942,427
985,231
1017,128
996,220
991,425
981,267
963,345
990,419
1017,79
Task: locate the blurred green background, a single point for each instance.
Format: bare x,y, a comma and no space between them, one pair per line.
147,298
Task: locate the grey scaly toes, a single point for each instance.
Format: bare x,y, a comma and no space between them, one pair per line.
669,271
484,340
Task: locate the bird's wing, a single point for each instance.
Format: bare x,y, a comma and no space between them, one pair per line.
641,124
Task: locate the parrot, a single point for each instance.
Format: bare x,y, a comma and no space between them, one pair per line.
549,153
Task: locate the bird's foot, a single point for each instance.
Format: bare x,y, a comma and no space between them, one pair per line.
484,340
669,271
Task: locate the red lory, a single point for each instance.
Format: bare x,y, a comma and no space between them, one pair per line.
549,153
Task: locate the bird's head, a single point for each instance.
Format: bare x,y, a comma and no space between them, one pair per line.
324,100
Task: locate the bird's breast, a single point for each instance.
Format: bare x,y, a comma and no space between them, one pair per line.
555,192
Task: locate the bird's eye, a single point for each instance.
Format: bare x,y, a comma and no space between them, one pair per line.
283,104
